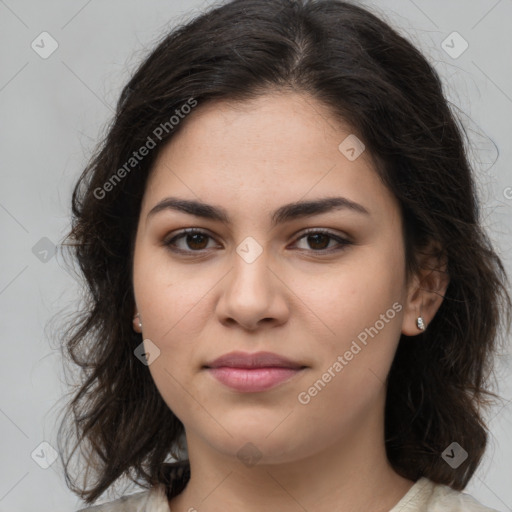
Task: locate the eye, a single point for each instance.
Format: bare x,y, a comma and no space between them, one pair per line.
193,240
319,240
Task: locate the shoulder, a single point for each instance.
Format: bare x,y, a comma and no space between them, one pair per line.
152,500
427,496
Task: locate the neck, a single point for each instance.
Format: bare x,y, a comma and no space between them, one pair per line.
352,474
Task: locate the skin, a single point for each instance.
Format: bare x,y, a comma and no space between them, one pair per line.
297,299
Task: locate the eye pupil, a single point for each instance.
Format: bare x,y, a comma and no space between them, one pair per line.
195,236
317,236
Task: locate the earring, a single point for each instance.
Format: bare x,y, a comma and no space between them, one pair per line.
140,323
420,323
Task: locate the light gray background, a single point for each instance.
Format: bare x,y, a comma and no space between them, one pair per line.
54,110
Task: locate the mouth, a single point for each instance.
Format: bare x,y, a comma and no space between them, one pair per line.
252,373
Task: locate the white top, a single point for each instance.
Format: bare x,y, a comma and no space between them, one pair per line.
423,496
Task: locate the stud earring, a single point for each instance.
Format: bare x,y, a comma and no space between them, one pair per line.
140,323
420,323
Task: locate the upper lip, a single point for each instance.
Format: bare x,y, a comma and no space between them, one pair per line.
256,360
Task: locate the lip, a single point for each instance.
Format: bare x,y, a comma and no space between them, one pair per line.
251,373
255,360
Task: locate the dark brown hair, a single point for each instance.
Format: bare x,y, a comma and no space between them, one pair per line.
386,91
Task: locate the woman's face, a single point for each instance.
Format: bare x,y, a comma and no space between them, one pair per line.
332,301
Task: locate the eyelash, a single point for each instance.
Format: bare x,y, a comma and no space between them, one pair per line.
343,243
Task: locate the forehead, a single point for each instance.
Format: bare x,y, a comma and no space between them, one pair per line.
260,153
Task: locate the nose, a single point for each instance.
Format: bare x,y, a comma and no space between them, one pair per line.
253,295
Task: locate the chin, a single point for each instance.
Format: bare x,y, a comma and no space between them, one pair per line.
257,443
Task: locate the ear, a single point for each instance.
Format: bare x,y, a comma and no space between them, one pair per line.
426,289
136,320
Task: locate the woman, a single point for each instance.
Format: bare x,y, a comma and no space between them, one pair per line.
292,303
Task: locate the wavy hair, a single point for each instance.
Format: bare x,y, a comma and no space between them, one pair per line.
378,83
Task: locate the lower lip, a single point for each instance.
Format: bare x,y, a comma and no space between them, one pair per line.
252,380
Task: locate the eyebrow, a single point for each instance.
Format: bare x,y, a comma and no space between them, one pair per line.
283,214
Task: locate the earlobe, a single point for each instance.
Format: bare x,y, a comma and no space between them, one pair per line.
136,323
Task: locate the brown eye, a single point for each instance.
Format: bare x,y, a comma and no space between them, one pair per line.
196,241
319,240
192,240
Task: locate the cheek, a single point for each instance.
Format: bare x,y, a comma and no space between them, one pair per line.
171,299
361,312
353,297
353,364
170,306
173,320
